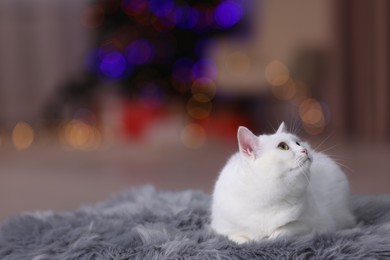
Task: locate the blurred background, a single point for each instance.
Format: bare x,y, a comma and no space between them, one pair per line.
98,96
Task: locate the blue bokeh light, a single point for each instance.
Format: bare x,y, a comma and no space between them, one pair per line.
161,8
228,13
186,17
140,52
205,68
113,65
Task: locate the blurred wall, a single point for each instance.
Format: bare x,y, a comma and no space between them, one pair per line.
279,30
42,43
360,92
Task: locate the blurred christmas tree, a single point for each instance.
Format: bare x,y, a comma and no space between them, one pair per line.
156,47
153,51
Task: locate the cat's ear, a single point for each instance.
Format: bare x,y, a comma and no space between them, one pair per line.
247,142
282,128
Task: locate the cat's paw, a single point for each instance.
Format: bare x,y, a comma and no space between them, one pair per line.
291,229
239,239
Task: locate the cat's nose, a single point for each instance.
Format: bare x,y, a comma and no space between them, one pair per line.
304,150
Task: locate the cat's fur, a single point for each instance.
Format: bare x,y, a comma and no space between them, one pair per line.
266,192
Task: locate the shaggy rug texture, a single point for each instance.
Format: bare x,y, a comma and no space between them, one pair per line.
144,223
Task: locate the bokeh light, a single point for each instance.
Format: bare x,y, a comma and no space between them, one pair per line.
313,130
277,73
113,65
85,115
199,109
77,134
161,8
107,63
140,52
302,92
312,116
22,136
205,68
169,36
286,91
326,112
310,111
186,17
193,136
228,13
203,89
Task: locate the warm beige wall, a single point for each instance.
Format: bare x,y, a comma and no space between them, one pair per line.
279,30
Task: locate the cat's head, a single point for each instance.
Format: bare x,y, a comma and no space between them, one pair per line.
279,155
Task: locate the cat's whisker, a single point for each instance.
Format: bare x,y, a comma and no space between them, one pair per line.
271,126
297,128
305,173
292,123
334,157
322,142
342,165
345,166
299,162
340,161
330,148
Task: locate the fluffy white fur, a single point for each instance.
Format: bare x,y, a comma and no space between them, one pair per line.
265,191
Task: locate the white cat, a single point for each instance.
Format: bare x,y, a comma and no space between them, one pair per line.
275,186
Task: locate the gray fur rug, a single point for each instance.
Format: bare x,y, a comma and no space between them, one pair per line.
147,224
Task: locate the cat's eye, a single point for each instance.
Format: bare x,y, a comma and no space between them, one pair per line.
298,143
283,146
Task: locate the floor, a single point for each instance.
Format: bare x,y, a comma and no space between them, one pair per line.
47,177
